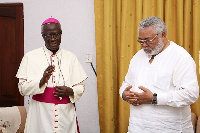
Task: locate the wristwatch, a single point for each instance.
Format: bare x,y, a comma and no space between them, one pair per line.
154,100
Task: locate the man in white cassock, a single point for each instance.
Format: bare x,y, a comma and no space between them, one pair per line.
161,83
55,78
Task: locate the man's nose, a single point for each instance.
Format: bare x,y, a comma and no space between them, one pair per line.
145,44
52,37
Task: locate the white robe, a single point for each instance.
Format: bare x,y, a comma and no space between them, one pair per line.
172,75
47,117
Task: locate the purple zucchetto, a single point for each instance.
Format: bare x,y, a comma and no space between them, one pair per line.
51,20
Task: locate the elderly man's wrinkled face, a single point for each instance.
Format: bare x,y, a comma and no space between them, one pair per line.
51,33
150,42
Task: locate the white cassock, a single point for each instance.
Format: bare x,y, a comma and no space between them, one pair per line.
47,117
172,75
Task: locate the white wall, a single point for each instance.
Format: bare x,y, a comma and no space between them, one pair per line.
78,25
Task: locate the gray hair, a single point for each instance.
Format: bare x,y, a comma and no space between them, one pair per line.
155,22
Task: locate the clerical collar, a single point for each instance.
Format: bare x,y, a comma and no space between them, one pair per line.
48,52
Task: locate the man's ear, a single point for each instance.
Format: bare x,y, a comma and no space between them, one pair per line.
163,34
42,29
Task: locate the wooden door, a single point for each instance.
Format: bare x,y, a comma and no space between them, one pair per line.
11,52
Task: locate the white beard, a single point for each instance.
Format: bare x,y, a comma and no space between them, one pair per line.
159,47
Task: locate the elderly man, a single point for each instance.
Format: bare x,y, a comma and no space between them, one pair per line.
161,83
55,78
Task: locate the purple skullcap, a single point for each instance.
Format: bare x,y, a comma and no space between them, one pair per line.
51,20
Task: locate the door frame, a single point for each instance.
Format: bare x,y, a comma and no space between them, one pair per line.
15,10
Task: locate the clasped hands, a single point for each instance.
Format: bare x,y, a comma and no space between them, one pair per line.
136,98
61,91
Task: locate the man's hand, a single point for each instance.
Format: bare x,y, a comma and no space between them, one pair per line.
63,91
126,93
129,96
145,97
136,98
46,75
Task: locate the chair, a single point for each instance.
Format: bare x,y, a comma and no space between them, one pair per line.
12,119
195,122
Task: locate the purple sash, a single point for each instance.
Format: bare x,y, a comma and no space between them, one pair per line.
48,97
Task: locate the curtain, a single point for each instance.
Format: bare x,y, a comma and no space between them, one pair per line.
116,25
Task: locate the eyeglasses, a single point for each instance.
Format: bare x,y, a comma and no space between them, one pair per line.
49,36
147,41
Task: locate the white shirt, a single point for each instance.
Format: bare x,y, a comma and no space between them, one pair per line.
172,75
46,117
